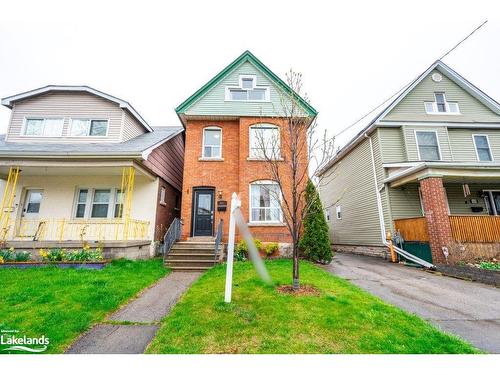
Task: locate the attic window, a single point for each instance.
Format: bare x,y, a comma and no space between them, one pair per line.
441,106
247,90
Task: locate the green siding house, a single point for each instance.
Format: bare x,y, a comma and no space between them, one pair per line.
426,168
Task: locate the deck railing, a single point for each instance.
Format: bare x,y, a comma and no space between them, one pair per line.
172,235
413,229
475,228
78,230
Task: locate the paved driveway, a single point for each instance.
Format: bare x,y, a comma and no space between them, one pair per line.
467,309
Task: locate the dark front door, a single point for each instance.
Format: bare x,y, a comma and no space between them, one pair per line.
203,212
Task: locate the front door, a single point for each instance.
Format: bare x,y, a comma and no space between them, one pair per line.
31,213
203,212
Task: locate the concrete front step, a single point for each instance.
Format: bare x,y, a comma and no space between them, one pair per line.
193,245
201,239
189,262
191,255
189,269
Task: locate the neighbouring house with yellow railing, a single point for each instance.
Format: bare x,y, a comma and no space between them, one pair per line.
79,165
427,169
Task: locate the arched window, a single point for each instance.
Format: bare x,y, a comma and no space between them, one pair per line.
265,141
265,202
212,143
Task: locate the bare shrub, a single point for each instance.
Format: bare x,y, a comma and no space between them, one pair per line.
472,252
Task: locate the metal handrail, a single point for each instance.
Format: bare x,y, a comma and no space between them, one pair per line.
171,235
218,239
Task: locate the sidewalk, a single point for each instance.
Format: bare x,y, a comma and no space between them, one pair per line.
130,329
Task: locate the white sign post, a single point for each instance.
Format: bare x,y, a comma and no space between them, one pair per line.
235,204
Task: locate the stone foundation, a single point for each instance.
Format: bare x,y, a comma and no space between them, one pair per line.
111,249
373,251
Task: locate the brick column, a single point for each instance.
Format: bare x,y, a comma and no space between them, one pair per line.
436,212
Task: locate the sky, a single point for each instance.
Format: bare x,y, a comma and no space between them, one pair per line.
353,55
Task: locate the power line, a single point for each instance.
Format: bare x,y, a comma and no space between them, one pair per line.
406,85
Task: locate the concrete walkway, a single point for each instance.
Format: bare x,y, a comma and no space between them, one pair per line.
467,309
130,329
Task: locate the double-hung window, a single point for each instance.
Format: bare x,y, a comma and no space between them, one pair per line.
43,127
441,106
88,128
98,203
265,202
265,141
247,90
483,150
428,146
212,143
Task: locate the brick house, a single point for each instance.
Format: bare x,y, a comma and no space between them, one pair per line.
221,121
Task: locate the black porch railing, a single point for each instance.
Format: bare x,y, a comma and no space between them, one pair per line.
171,235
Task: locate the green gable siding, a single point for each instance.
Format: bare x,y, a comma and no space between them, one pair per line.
350,184
411,108
463,147
213,103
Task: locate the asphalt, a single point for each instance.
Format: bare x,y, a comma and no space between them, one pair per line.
130,329
467,309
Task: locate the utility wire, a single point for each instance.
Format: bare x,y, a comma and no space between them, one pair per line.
406,85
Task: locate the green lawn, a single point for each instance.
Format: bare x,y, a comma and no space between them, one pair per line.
63,303
343,319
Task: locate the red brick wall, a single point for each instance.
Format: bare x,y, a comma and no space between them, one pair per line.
436,212
233,174
165,213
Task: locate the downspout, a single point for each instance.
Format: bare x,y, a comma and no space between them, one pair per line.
377,192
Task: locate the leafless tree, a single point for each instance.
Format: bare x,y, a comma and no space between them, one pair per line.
292,153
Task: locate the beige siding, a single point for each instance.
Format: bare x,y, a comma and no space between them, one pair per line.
463,147
67,105
411,108
131,127
350,184
411,142
393,145
405,202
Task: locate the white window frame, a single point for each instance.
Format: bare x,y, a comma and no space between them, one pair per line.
251,138
338,212
44,118
489,147
163,194
447,106
250,207
212,127
88,130
228,89
90,201
437,140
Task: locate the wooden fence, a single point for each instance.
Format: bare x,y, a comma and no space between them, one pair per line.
483,229
413,229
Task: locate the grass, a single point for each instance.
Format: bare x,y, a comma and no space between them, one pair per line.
63,303
343,319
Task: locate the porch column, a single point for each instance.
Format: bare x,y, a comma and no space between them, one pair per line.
436,212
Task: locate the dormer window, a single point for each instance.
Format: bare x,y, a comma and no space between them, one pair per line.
88,128
441,106
248,90
43,127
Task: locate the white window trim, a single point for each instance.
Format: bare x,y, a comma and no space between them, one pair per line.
163,194
263,182
203,157
90,200
489,147
88,132
26,118
338,212
251,139
437,139
435,108
227,94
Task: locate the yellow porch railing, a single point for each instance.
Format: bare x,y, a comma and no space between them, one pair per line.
80,230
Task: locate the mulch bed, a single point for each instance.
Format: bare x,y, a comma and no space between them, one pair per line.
470,273
304,290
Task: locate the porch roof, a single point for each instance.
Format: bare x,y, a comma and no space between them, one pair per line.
135,148
450,172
